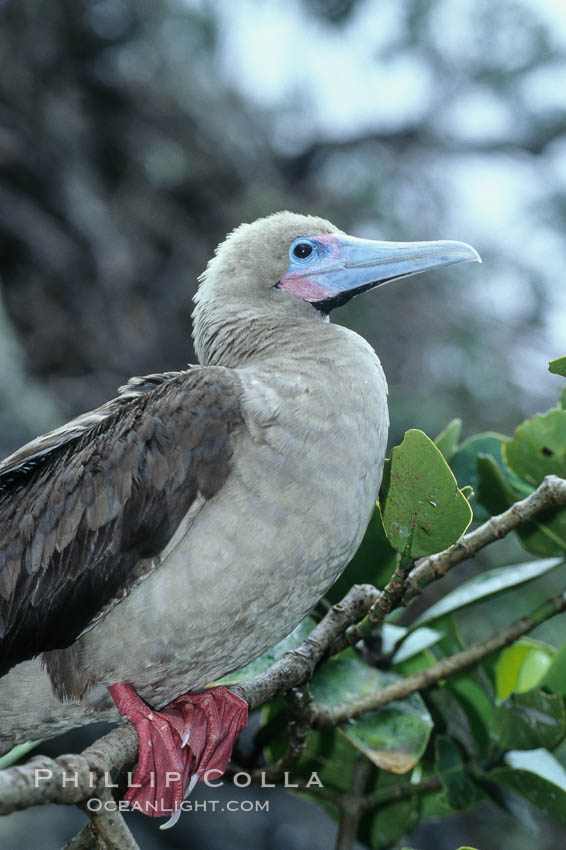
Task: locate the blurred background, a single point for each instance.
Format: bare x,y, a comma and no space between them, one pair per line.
134,134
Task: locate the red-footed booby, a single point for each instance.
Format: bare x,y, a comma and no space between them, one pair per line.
174,534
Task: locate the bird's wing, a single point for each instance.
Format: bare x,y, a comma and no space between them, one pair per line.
83,507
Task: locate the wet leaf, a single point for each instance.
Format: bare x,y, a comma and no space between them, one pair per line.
392,821
464,467
473,693
424,510
393,737
447,440
487,584
538,777
461,792
529,720
18,752
538,447
558,366
412,644
544,536
521,667
555,677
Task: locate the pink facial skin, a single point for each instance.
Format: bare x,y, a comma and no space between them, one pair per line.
306,288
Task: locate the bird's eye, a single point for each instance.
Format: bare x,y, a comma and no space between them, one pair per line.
302,250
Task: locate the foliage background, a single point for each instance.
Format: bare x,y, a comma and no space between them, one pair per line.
135,133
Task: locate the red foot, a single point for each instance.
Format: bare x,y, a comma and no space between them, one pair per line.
191,736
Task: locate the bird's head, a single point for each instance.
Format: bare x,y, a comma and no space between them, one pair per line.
291,265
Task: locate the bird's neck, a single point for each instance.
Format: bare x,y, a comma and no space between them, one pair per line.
245,338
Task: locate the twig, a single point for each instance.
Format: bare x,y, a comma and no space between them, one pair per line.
407,583
386,601
18,786
109,825
68,778
550,493
392,793
86,839
381,796
296,666
299,701
352,805
324,717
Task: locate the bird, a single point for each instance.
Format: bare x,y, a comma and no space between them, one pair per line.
172,535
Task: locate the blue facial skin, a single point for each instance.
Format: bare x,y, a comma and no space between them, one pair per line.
319,250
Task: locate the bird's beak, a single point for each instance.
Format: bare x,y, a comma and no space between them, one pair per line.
344,266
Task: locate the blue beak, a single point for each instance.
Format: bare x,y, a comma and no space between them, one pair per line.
329,270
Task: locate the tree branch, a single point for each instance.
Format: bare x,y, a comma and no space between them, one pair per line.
352,805
68,778
108,825
325,717
297,666
76,778
550,493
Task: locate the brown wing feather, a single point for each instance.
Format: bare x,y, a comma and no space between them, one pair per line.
77,517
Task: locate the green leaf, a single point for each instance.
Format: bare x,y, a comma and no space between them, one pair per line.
538,777
393,737
424,510
530,720
451,716
558,366
413,642
391,822
268,658
18,752
447,440
472,689
555,677
373,563
487,584
331,756
421,661
538,447
461,792
544,536
464,467
521,666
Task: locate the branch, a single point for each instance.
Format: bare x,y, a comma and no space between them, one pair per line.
76,778
108,826
325,718
405,583
551,493
299,709
352,806
386,601
296,666
68,778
